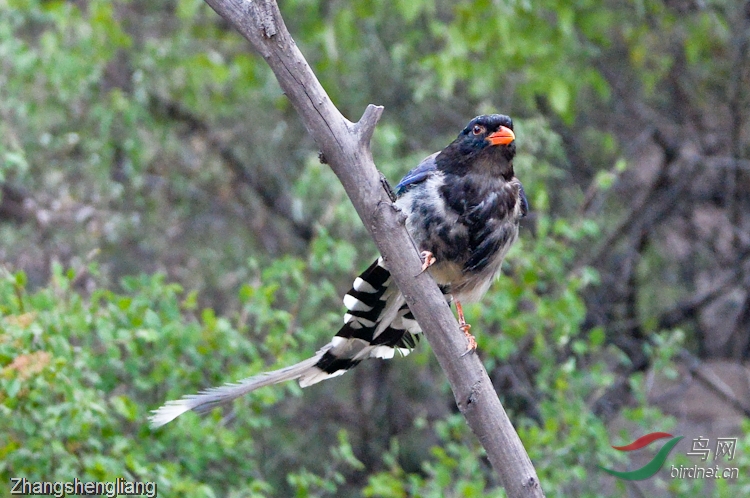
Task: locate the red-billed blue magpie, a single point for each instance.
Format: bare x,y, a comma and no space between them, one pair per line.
463,206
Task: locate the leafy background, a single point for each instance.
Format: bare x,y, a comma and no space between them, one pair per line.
166,226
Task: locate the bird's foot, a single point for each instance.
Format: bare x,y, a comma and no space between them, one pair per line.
472,346
428,259
465,327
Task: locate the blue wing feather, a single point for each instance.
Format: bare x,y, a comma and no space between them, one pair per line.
524,202
418,174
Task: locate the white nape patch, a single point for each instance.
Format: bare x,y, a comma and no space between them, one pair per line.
170,411
362,286
316,375
354,304
385,352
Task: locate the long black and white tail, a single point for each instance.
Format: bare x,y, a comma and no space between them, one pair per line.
377,325
204,401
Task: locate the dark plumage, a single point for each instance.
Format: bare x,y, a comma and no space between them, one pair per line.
463,205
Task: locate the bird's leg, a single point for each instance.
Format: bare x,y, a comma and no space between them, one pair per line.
428,259
465,327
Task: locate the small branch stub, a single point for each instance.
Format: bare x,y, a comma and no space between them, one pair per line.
365,127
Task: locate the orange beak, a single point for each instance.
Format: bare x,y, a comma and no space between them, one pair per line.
503,136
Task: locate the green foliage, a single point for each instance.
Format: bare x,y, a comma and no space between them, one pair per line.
80,375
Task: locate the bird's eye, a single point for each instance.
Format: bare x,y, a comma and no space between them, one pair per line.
478,130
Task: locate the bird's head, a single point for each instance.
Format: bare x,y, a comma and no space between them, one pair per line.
487,143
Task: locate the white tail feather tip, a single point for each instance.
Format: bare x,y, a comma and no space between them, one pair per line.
363,286
170,411
354,304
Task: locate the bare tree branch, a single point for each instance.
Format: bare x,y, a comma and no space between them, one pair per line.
713,382
655,202
345,146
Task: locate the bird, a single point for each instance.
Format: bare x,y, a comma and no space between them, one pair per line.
463,206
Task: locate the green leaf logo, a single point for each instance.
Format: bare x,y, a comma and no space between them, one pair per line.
651,467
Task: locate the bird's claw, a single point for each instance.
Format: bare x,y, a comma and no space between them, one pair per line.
428,259
472,346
